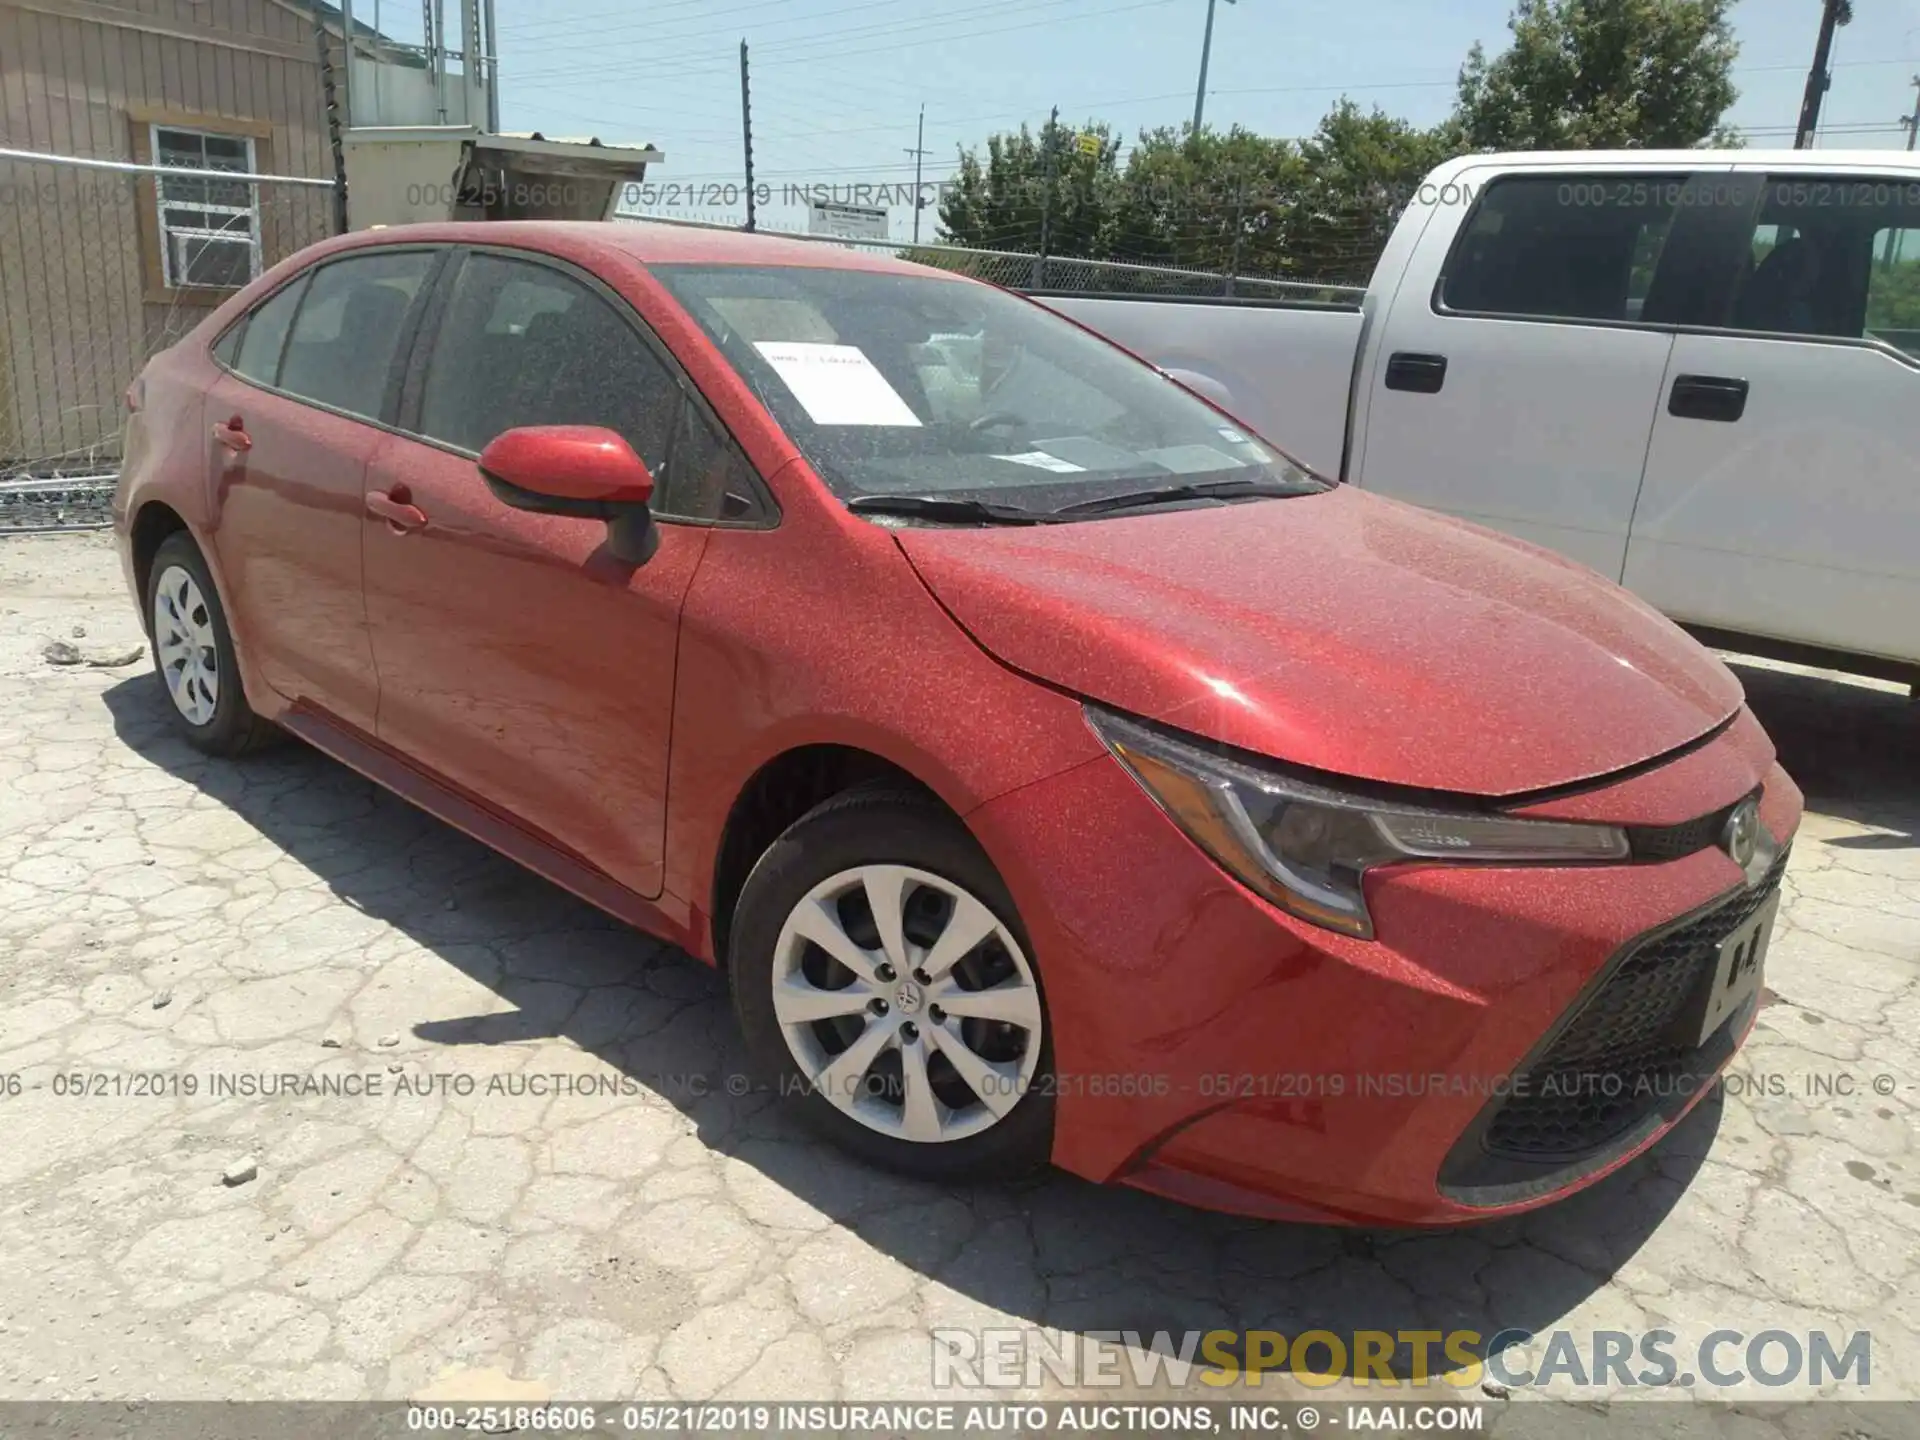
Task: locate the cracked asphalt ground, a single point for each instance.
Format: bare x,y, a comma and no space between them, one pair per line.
165,915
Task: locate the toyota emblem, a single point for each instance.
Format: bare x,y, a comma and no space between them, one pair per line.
1741,835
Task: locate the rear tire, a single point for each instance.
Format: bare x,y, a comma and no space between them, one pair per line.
932,1059
193,652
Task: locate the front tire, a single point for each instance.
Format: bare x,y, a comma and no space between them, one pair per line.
193,651
885,987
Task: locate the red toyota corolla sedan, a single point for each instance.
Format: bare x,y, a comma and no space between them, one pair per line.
1055,769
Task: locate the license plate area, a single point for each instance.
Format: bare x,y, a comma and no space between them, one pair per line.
1738,968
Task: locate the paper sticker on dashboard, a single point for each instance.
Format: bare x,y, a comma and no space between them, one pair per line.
836,384
1041,460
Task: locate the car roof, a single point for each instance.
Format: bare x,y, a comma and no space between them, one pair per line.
1899,162
651,243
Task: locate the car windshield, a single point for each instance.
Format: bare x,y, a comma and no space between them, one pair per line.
930,387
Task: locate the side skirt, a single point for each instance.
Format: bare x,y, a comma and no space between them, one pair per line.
394,772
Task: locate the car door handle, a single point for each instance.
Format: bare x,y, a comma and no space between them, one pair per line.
233,435
396,508
1420,374
1707,397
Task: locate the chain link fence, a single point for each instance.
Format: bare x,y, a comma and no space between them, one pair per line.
1061,274
103,263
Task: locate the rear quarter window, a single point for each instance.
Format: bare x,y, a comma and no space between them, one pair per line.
263,334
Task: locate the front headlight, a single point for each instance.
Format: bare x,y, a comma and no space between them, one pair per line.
1304,846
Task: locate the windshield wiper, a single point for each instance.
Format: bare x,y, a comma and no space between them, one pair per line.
944,507
1173,494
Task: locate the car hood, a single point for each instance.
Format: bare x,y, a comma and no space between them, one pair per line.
1341,631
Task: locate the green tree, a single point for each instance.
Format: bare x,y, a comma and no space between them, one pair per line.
1361,167
1206,201
1602,75
996,202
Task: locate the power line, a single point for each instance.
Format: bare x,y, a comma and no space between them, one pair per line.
592,23
864,121
829,37
873,119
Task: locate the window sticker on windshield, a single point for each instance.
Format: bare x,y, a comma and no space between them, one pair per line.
1191,459
836,384
1231,435
1040,460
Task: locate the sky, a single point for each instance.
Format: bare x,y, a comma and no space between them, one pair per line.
837,85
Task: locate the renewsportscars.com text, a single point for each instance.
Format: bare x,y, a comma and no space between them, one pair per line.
1025,1357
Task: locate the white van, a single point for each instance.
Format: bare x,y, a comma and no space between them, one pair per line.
1697,372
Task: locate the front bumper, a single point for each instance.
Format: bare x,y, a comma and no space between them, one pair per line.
1210,1048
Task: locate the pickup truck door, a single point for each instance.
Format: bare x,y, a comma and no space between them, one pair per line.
1516,375
1782,491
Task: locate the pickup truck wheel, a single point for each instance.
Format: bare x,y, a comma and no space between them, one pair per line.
884,986
193,651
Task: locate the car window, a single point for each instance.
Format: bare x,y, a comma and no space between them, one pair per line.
897,383
1835,256
265,334
227,348
707,477
1893,288
1566,246
522,343
349,324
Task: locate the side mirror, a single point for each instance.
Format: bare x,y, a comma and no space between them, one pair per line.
586,471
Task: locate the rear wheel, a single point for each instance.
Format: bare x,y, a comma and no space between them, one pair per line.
883,984
193,651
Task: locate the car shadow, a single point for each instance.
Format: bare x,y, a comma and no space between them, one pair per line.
1853,747
1052,1251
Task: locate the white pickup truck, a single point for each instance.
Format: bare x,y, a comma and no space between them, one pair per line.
1697,372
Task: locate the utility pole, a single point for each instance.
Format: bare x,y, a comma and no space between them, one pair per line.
330,103
1912,122
1046,201
1206,50
746,130
918,151
1833,13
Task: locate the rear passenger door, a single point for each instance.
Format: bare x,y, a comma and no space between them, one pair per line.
519,660
1782,494
293,423
1517,376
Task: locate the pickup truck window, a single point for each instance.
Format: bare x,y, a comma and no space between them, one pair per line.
1563,246
1835,256
1893,289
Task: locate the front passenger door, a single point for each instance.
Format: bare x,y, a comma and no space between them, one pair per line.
519,660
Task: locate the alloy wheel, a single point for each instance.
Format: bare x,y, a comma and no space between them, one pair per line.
184,640
907,1003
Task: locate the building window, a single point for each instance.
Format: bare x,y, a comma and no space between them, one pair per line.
209,229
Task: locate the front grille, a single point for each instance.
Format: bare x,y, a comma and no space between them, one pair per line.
1628,1049
1652,843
